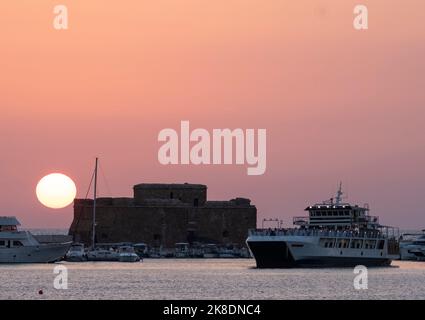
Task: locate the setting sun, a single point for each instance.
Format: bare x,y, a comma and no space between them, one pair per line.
56,190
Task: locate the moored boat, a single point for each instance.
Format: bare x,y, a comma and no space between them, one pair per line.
127,254
22,247
76,253
99,254
412,247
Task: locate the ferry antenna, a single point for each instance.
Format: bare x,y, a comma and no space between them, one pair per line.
339,194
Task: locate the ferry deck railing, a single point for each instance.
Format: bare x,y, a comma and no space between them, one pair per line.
318,233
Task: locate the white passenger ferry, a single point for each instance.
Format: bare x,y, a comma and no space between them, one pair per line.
335,234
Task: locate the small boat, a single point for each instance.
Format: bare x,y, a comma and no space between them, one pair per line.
102,255
210,251
412,247
96,253
181,250
141,249
244,253
127,254
155,253
22,247
227,252
196,250
76,253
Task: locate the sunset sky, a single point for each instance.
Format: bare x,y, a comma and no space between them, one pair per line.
338,104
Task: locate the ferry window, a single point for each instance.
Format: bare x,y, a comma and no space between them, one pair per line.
2,243
381,244
358,245
171,195
17,243
196,202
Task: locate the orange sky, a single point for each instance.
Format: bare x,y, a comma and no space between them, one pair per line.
338,104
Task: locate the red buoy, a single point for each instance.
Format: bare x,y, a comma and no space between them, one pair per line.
40,291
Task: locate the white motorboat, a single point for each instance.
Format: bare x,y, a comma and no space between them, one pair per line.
127,254
102,255
412,247
22,247
76,253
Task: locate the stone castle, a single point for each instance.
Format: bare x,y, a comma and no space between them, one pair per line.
162,215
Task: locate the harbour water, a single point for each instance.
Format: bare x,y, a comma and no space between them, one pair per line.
207,279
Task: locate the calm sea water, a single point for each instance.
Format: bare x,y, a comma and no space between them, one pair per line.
207,279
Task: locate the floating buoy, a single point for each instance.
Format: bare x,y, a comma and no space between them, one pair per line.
40,291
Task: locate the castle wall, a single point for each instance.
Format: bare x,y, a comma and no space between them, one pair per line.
163,221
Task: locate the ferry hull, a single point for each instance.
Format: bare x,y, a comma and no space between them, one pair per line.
277,254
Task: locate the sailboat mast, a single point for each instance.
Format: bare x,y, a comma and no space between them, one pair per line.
94,205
